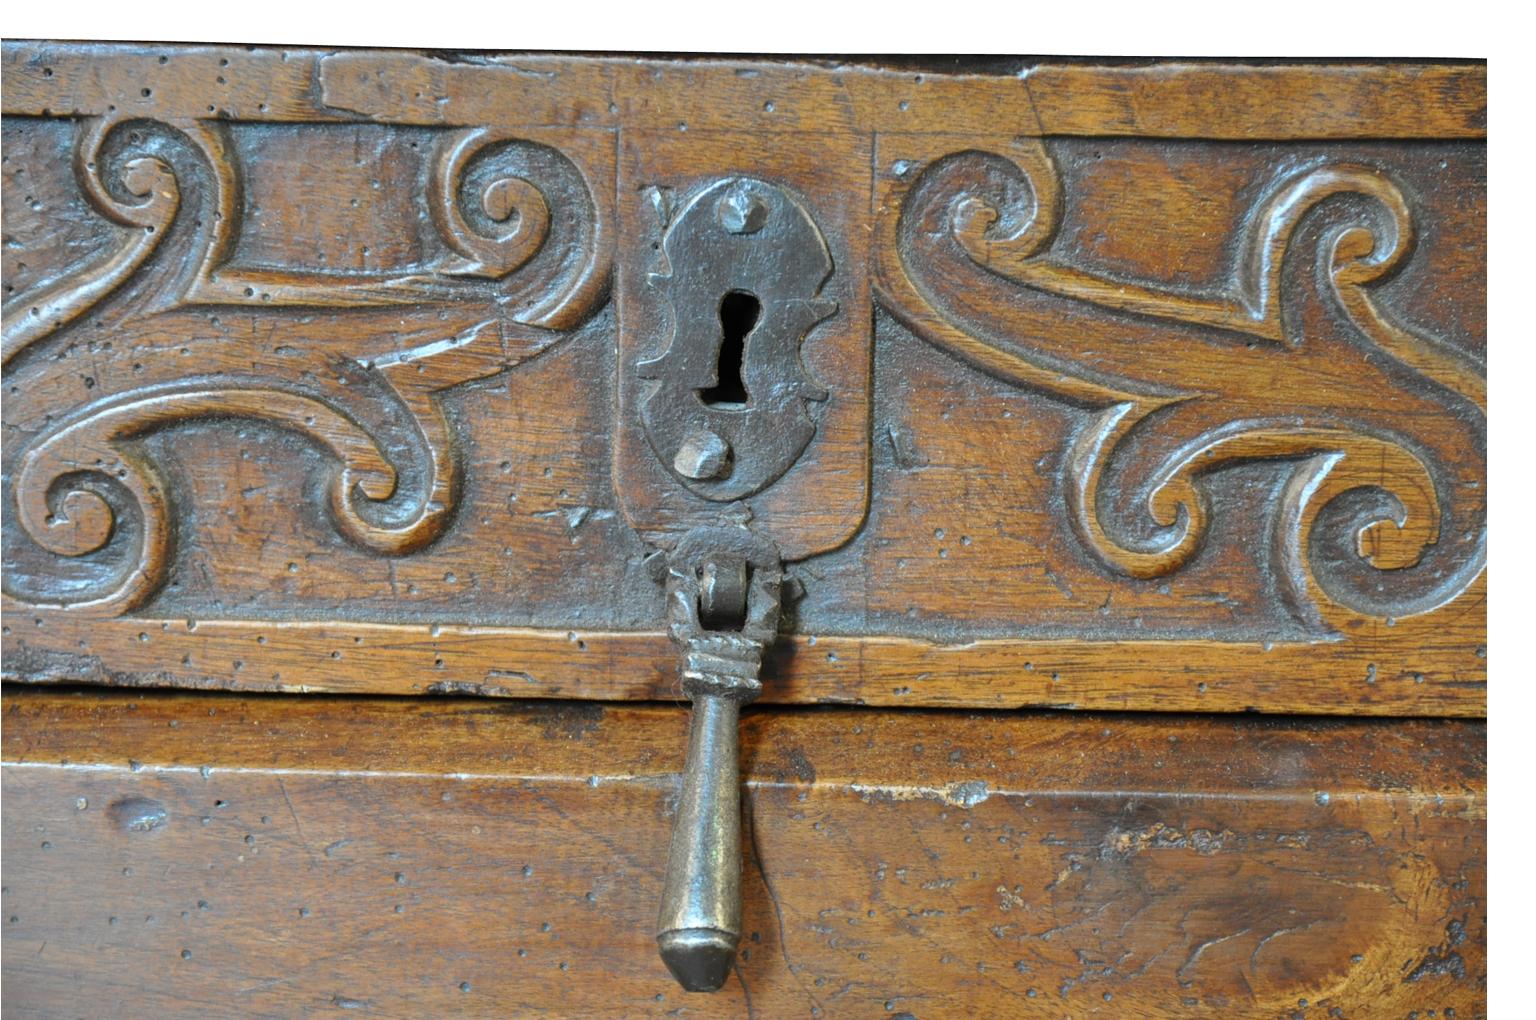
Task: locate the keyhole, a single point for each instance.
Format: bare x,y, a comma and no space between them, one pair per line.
739,312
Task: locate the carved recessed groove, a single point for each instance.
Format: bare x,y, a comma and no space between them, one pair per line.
490,197
1147,388
1383,515
136,188
525,248
69,518
1291,359
520,227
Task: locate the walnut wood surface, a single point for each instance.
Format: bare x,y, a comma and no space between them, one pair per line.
1152,387
218,855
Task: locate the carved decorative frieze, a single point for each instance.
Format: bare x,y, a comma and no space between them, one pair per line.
504,208
339,352
1384,514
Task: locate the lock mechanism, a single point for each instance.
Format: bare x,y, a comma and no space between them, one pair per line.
727,409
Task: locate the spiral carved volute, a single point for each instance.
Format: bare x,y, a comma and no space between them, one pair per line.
523,263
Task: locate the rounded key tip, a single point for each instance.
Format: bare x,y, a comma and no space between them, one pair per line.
700,958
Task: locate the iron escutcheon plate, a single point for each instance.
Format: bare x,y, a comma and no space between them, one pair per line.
718,229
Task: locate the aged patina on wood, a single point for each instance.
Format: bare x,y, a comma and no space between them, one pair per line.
222,855
1154,387
313,363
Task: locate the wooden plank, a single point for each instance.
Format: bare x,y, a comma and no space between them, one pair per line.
186,855
1394,671
1145,387
1208,99
1291,101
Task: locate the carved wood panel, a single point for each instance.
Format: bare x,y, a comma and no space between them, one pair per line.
322,372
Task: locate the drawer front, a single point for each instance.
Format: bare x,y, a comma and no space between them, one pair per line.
1153,388
201,854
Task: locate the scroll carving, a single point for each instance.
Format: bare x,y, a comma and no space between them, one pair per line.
525,262
504,243
1294,360
140,195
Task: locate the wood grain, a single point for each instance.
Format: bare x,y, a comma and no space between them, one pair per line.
1164,99
1150,387
193,855
1382,672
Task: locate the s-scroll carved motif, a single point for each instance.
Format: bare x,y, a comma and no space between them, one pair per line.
525,262
1384,513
